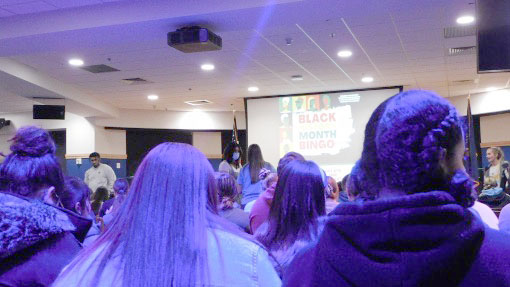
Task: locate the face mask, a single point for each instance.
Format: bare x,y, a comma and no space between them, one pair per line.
235,156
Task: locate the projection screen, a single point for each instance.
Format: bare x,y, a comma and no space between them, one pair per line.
327,128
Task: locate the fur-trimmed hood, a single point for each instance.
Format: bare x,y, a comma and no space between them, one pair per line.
25,222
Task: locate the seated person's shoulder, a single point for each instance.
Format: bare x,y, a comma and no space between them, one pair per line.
496,244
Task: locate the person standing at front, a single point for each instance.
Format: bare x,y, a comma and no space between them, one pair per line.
99,174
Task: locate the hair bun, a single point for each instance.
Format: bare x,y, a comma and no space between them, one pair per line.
32,141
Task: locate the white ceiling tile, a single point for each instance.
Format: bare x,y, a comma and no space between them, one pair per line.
4,13
72,3
29,7
13,2
246,58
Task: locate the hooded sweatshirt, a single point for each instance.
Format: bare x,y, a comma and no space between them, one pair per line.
424,239
36,240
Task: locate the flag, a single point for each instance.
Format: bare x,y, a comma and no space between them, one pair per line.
472,161
235,138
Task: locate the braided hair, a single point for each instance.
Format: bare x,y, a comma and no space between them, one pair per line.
407,135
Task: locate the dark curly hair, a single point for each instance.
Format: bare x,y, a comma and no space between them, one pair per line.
404,140
32,164
229,151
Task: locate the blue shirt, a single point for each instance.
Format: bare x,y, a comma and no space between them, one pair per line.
251,191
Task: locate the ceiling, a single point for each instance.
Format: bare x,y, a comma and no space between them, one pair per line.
395,42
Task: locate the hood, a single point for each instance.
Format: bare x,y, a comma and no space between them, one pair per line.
25,222
423,239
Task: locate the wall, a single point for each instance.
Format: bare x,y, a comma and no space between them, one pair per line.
80,131
483,103
82,138
174,120
495,128
110,141
85,135
209,143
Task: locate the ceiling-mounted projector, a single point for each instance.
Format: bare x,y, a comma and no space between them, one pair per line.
4,122
194,39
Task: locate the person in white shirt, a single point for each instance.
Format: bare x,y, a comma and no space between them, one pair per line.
497,173
99,174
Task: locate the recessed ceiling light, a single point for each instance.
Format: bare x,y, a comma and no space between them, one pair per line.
466,19
152,97
344,54
491,89
207,67
253,89
367,79
297,78
76,62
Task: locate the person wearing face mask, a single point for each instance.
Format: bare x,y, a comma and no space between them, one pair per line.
38,235
231,163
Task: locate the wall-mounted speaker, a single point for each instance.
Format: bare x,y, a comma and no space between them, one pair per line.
49,112
493,23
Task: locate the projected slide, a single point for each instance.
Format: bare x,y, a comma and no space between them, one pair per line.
326,128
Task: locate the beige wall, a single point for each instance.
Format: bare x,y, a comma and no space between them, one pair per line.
483,103
495,129
209,143
111,142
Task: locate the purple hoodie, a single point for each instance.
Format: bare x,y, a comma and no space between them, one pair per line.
424,239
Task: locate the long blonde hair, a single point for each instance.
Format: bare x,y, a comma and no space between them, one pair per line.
498,152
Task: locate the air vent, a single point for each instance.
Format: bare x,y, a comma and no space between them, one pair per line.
461,82
462,51
47,98
198,102
96,69
461,31
136,81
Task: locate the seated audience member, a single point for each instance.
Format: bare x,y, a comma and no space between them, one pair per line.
495,198
260,210
167,233
37,238
344,197
120,187
413,227
268,180
486,214
76,198
111,206
352,187
496,174
227,191
504,219
294,216
248,179
98,198
332,195
231,163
